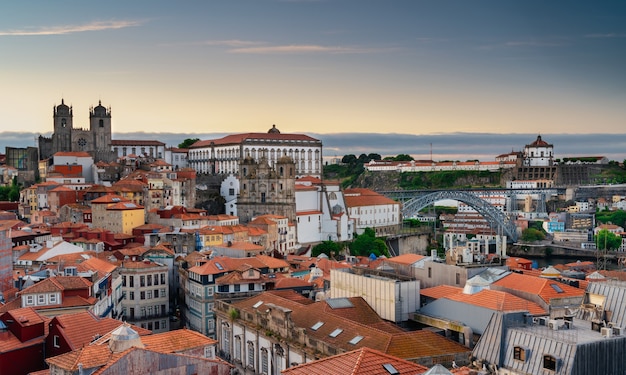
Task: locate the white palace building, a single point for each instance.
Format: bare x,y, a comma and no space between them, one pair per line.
222,156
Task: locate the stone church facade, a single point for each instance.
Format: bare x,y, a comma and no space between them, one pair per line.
96,140
265,189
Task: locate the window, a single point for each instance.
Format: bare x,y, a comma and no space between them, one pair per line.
131,296
131,280
251,286
149,295
226,339
430,272
30,300
162,292
41,299
237,287
250,354
519,353
53,298
458,278
142,295
237,348
336,332
549,362
156,279
56,341
124,280
157,325
264,362
149,280
163,279
142,281
156,293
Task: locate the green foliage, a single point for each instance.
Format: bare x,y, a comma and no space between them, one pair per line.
188,142
403,157
446,179
606,240
412,223
329,248
532,234
10,193
367,243
617,217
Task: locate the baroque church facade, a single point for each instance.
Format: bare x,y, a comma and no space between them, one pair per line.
95,140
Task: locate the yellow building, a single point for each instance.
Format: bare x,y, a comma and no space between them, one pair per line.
123,217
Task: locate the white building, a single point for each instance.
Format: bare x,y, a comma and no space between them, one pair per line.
223,155
539,153
229,190
144,148
321,212
373,210
77,158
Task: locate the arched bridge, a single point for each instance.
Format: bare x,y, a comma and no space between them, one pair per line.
495,217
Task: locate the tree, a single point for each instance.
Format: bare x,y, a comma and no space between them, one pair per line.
606,240
374,156
348,159
403,157
363,159
532,234
188,142
329,248
367,243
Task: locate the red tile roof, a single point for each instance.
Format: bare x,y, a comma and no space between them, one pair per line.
236,139
440,291
537,285
364,197
363,361
497,300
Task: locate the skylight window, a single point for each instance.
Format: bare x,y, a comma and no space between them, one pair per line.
336,332
317,326
390,369
219,266
557,288
257,304
355,340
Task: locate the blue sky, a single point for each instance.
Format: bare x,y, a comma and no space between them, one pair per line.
344,66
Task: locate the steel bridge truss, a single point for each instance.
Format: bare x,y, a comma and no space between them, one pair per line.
495,217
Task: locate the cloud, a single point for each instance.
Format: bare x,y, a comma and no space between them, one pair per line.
303,48
231,43
606,36
70,29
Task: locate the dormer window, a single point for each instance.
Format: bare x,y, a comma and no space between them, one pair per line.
549,362
519,353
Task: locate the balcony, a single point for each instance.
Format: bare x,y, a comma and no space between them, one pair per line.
148,317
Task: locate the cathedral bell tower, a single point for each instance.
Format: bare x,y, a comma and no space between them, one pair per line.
62,136
100,127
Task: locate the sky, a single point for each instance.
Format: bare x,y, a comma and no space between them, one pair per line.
418,72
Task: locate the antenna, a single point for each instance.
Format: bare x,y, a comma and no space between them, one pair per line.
431,151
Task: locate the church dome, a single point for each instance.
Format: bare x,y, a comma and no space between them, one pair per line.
274,130
62,109
99,110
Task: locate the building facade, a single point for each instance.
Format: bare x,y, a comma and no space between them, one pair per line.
223,155
95,140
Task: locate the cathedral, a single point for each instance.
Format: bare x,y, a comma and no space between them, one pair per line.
66,138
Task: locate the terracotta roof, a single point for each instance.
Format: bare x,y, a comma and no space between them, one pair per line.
272,262
363,361
498,300
226,264
56,283
235,139
88,357
536,285
440,291
130,142
110,198
539,143
176,341
407,259
364,197
79,154
82,328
